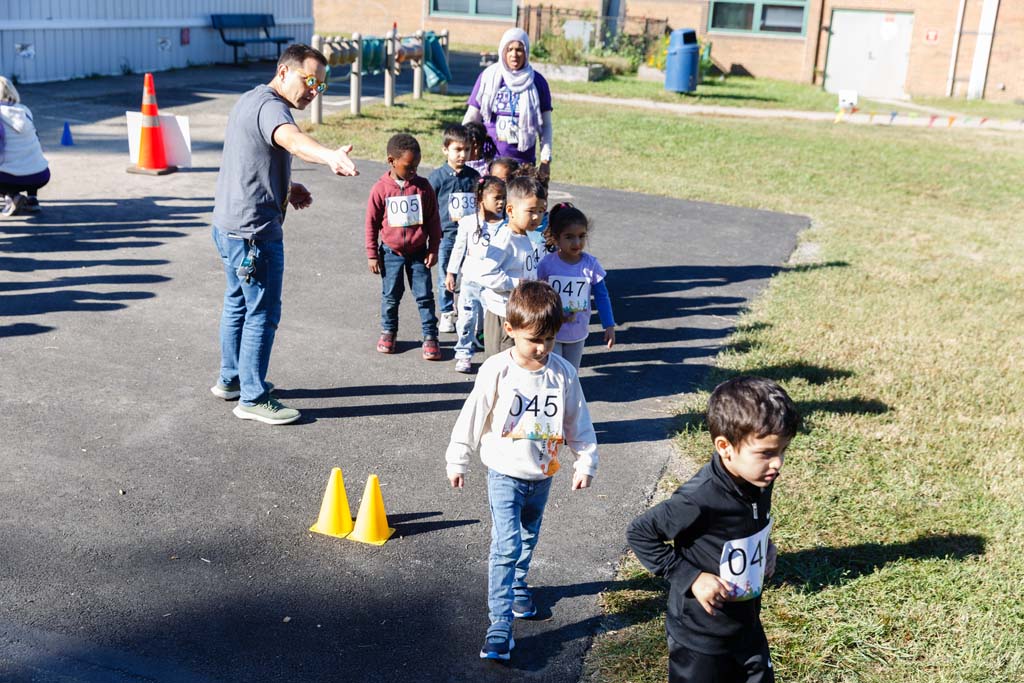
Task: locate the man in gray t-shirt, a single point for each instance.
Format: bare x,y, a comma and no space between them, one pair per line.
254,189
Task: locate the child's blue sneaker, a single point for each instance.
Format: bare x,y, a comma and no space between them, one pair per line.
497,646
523,607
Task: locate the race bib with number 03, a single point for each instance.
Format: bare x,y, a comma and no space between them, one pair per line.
574,292
742,563
461,204
507,129
404,211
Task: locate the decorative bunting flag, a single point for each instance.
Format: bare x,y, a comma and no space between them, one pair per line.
983,120
951,120
892,116
931,120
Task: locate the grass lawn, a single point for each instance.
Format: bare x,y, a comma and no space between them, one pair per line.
900,512
975,108
734,91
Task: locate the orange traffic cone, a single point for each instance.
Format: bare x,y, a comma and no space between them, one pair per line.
152,157
372,521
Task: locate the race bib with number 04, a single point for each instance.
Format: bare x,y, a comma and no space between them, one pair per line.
404,211
574,292
742,563
461,204
537,417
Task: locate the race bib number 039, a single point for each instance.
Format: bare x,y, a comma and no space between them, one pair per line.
742,564
404,211
461,204
537,417
575,294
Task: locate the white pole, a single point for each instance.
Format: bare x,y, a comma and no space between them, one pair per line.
417,70
316,112
444,43
982,50
355,87
389,68
956,48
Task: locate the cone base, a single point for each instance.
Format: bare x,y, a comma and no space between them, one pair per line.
316,529
382,541
152,171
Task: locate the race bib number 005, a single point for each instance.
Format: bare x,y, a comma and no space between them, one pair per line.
404,211
574,292
461,204
742,564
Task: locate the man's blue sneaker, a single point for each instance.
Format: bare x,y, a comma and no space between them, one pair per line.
497,646
523,607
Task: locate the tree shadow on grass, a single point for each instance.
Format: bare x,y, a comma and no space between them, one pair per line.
815,569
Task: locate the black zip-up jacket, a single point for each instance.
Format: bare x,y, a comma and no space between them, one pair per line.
700,518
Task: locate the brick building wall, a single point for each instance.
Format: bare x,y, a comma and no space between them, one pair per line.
781,56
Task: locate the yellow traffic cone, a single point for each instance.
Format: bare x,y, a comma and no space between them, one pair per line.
372,521
335,517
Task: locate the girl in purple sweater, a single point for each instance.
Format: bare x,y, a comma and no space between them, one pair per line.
575,275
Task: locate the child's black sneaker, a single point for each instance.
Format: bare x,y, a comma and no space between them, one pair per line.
523,607
497,646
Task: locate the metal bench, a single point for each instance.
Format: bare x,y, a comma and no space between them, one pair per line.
223,22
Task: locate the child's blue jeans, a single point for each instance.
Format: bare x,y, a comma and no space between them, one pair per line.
392,269
471,313
517,508
445,299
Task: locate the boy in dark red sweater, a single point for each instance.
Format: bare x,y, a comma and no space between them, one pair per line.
403,233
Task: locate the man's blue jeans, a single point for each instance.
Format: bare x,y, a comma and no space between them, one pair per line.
445,299
251,313
394,268
517,508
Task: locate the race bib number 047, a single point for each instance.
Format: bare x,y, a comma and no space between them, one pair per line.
574,292
404,211
742,564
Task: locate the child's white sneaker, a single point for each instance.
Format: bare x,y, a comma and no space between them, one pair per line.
447,322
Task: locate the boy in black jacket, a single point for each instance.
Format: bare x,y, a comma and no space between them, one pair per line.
719,522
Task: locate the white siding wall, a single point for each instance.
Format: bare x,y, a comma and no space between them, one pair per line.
78,38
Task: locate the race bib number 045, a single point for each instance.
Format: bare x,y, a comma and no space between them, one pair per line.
404,211
574,292
461,204
536,417
742,564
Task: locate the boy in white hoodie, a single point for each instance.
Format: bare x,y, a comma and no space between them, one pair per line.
511,257
526,405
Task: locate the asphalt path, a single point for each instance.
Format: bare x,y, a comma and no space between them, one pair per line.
148,534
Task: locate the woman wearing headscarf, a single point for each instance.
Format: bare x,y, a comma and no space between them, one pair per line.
23,167
514,103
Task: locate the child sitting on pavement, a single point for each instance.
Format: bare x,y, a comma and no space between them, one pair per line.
719,524
511,258
403,233
525,406
454,184
471,244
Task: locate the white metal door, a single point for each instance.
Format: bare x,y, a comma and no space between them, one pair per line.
868,52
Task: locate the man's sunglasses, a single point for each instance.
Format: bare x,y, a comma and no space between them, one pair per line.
312,83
